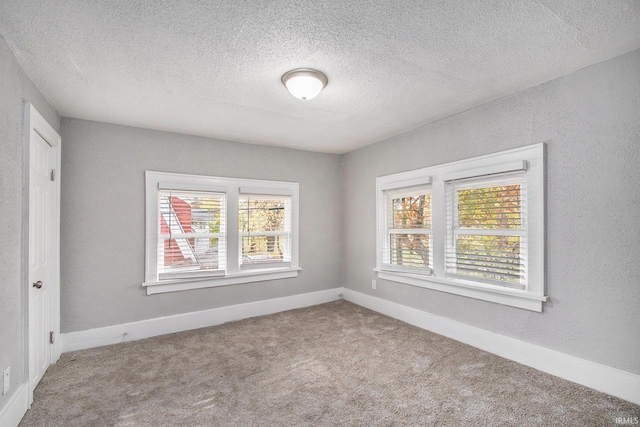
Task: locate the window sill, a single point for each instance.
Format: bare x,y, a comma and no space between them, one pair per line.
230,279
505,296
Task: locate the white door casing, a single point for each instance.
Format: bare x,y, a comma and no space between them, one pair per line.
43,247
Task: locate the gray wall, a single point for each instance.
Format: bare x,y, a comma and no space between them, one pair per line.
15,89
102,225
590,121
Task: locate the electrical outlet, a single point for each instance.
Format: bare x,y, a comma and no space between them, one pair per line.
6,380
373,284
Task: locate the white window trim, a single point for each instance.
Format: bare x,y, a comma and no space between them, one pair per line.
498,178
232,188
266,194
412,187
530,158
185,274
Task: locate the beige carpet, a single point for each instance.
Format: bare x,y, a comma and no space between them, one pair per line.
335,364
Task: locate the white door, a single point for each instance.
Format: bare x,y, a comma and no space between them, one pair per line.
43,253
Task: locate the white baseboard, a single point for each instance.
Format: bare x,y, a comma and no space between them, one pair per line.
115,334
16,407
603,378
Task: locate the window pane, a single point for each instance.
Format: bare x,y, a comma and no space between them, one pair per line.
263,249
494,249
490,207
261,215
189,213
410,250
412,212
194,213
194,254
487,257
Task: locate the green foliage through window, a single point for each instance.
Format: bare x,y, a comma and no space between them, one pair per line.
490,207
494,251
406,248
259,220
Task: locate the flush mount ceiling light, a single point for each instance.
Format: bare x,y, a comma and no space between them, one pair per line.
304,83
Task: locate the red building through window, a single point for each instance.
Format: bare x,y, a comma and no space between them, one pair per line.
180,213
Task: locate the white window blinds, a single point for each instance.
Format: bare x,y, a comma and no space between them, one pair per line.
264,223
407,245
487,229
191,234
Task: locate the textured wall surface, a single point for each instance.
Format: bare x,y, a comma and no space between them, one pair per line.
213,68
15,89
590,121
103,201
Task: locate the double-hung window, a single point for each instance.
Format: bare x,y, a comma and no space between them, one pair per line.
204,231
265,229
191,233
407,243
473,228
487,229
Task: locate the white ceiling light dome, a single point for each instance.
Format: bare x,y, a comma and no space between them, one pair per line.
304,83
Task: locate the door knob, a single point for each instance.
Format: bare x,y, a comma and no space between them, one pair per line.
38,284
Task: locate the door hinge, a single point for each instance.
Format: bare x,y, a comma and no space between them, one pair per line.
53,174
51,337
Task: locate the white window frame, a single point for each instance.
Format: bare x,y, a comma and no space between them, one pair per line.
454,229
388,195
530,158
177,235
268,194
232,188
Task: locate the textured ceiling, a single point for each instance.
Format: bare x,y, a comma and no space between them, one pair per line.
213,68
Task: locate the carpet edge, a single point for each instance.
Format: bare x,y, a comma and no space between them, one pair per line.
115,334
606,379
